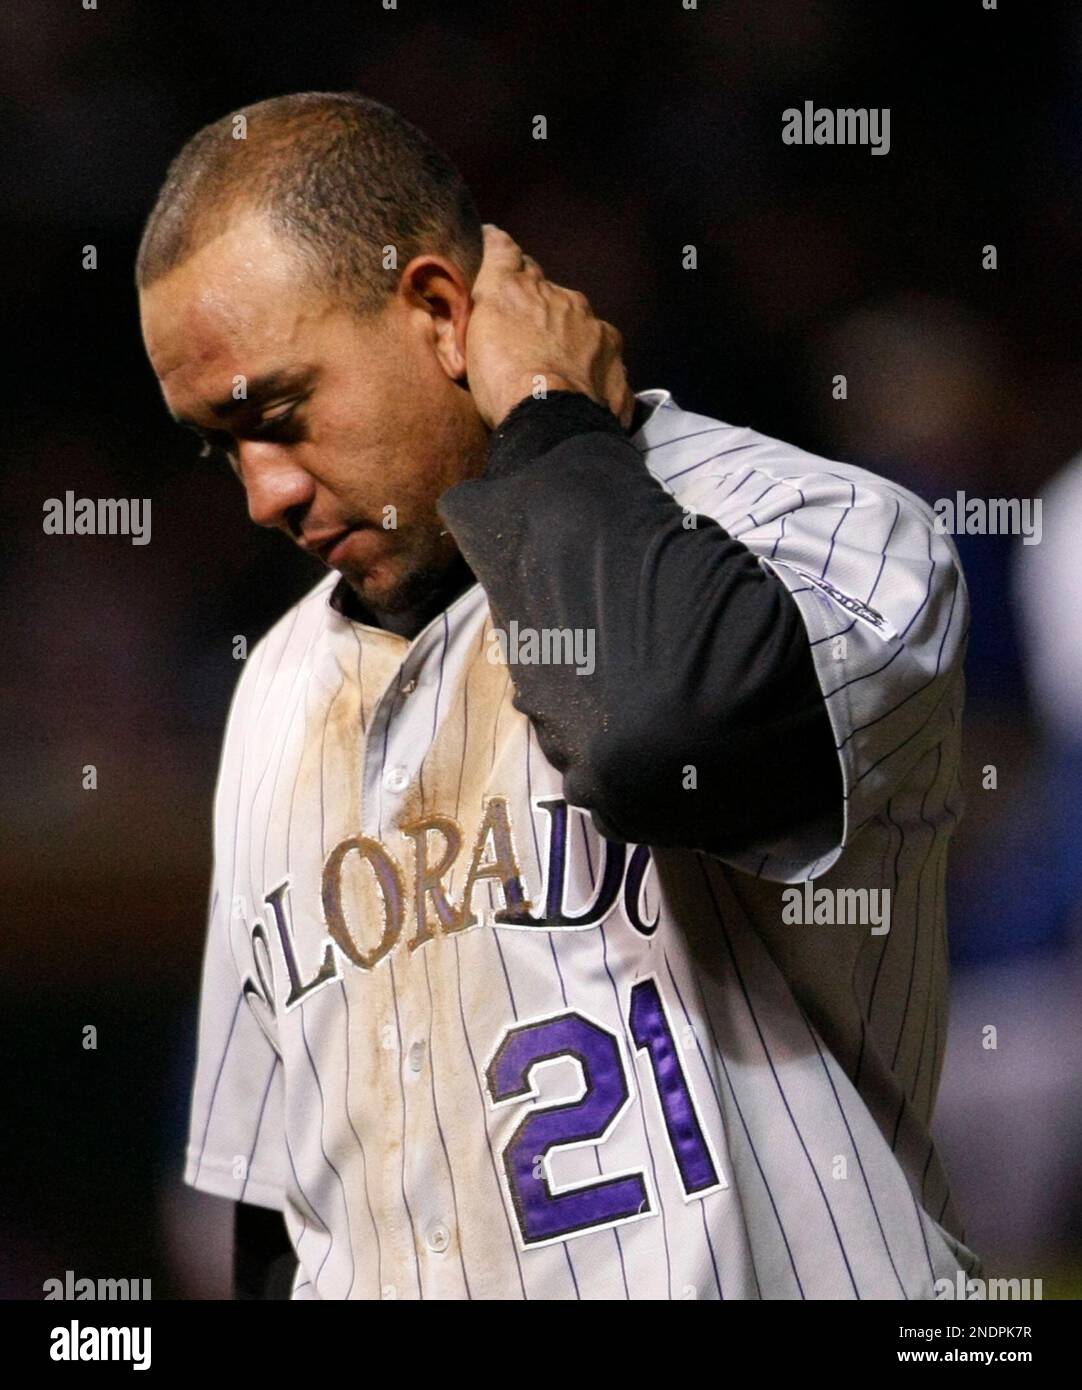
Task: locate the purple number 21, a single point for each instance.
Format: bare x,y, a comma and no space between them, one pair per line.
544,1215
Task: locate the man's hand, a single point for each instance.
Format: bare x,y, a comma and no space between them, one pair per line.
523,327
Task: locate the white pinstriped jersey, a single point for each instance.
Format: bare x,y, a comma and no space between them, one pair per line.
472,1050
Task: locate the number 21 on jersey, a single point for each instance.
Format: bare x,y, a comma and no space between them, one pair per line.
546,1215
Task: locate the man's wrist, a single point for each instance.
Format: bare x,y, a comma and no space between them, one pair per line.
537,424
529,385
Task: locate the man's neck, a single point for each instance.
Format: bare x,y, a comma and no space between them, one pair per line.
456,579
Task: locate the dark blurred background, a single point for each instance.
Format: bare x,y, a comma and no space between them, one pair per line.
664,130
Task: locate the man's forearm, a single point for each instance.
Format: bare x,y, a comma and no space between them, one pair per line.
701,658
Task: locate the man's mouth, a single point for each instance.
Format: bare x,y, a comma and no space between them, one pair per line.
335,549
326,549
357,547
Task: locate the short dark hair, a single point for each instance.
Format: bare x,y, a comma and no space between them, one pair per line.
338,174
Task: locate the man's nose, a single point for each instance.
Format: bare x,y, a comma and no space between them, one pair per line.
274,481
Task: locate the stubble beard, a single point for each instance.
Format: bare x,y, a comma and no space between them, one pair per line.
433,563
416,589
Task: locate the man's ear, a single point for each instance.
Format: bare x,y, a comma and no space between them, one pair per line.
437,286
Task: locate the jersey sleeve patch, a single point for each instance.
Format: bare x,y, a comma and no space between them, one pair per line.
855,607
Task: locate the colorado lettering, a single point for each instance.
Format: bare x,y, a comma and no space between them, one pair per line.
420,904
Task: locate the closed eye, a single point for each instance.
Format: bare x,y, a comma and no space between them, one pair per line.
270,425
281,428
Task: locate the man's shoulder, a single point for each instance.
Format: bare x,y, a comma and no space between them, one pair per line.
682,446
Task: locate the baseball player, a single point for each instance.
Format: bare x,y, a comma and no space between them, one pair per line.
577,926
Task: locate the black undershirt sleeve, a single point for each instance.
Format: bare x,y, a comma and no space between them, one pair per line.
701,658
263,1259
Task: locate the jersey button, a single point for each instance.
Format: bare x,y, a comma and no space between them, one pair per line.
438,1237
396,779
416,1055
410,686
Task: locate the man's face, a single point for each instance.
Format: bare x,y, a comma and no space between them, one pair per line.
351,430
